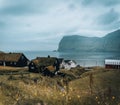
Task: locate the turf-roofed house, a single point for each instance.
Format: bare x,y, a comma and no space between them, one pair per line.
13,59
45,65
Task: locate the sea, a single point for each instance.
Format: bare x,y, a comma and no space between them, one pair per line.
85,59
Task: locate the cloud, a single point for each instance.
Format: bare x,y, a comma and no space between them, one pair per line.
22,7
100,2
14,10
109,17
2,25
109,20
43,23
26,7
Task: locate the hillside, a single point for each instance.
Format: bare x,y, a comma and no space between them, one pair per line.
102,88
110,42
35,89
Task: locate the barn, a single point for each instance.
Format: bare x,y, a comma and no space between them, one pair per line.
112,63
13,59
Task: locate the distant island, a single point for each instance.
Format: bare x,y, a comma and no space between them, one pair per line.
110,42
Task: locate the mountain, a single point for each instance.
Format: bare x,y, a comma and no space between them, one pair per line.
110,42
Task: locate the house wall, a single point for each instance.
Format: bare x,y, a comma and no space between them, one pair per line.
1,63
14,64
108,66
10,64
112,64
68,65
73,65
23,61
32,67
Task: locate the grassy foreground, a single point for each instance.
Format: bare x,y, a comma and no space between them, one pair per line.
77,87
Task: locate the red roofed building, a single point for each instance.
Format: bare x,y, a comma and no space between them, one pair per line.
112,64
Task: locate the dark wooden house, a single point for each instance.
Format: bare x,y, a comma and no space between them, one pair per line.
112,63
13,59
45,65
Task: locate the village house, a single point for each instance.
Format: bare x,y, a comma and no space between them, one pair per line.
112,63
13,59
46,65
68,64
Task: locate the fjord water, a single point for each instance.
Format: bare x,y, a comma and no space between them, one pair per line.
88,59
85,59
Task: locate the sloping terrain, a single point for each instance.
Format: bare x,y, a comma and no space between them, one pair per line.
77,87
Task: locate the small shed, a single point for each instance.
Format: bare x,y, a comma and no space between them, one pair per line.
13,59
112,63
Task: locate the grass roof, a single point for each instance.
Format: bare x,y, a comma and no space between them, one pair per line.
44,61
14,57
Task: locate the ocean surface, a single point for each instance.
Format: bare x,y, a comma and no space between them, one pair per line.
86,59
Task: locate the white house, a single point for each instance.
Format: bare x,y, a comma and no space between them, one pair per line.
68,64
112,63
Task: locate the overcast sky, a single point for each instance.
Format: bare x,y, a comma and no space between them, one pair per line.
40,24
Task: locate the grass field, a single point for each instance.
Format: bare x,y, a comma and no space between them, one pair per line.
12,68
77,87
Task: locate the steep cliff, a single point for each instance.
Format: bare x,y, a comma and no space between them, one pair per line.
110,42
